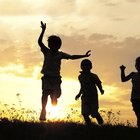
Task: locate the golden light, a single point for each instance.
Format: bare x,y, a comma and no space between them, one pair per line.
52,111
36,72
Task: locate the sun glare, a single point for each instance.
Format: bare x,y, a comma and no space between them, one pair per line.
53,111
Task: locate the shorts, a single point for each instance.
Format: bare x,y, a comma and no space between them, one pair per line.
89,108
136,106
51,86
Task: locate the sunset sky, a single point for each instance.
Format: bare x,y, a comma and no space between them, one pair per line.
109,28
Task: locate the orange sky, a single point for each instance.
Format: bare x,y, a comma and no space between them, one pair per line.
107,27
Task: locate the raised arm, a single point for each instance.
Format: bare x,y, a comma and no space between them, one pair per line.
40,42
124,78
87,54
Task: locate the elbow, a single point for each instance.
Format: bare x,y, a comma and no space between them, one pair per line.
123,80
39,42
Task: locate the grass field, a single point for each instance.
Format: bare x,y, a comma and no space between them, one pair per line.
23,124
60,130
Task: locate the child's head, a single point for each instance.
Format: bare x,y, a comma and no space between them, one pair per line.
54,43
86,65
137,64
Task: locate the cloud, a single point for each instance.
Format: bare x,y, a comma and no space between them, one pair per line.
73,16
119,19
17,7
112,103
24,7
133,1
98,37
108,52
8,55
110,2
65,7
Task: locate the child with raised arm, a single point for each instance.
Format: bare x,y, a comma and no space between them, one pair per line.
89,99
51,80
135,93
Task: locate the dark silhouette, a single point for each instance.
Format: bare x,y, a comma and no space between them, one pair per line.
63,130
51,79
135,94
89,83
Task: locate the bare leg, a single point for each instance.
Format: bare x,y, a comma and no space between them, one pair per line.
53,99
44,100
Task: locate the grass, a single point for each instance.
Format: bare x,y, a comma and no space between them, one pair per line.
23,124
60,130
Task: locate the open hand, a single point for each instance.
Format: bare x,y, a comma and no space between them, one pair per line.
88,53
43,25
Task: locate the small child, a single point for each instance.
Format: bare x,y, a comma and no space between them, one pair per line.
88,82
51,80
135,93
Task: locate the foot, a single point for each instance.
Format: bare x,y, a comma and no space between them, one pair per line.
42,115
87,120
99,120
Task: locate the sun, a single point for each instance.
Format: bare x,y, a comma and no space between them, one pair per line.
53,111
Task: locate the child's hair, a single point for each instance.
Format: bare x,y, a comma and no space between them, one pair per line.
138,62
55,41
86,63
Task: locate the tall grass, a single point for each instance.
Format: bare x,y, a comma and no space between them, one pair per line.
18,123
17,112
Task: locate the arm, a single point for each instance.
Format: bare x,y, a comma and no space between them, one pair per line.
124,78
80,56
99,85
41,44
78,95
80,92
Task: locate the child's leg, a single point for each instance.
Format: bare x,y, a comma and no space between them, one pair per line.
56,93
53,100
138,122
99,119
44,100
136,108
87,119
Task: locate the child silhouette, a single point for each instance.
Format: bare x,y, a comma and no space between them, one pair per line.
88,82
135,93
51,79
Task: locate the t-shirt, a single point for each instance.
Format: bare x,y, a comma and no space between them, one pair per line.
52,62
135,85
88,83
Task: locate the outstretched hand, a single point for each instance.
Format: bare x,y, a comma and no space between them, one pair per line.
43,25
122,67
88,53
